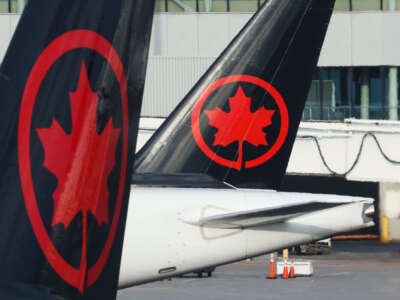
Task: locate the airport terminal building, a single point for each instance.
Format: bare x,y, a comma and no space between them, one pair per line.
357,78
358,69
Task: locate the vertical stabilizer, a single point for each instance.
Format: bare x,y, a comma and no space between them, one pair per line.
239,122
71,90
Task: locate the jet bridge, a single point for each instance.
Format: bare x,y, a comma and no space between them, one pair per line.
357,150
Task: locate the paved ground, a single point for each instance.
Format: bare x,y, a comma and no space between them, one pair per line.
352,271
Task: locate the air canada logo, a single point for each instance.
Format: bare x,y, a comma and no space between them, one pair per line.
81,160
240,122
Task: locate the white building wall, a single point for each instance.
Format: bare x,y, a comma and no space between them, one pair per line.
391,39
353,39
367,39
5,33
8,24
162,93
336,49
183,46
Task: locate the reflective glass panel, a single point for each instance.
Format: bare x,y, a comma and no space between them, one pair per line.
160,6
181,5
3,6
213,5
364,5
243,5
342,5
388,3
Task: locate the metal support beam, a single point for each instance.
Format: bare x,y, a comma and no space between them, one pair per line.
393,82
389,194
321,94
20,6
184,6
393,93
208,5
350,90
392,5
382,75
365,99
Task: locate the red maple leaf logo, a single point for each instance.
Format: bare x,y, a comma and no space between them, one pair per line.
82,162
240,124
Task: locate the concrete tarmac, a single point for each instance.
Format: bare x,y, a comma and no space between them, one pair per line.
353,270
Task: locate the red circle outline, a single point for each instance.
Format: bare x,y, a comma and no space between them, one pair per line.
69,41
240,78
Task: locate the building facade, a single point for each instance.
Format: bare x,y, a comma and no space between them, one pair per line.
358,70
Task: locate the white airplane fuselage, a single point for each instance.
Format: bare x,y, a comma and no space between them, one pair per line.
162,238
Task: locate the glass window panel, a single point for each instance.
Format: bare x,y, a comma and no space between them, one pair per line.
220,5
386,4
375,86
17,6
160,6
342,5
181,5
334,75
336,95
213,5
3,6
13,6
243,5
364,5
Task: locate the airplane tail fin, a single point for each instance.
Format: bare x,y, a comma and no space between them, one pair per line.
239,122
71,90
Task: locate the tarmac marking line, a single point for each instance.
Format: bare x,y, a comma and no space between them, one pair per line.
334,274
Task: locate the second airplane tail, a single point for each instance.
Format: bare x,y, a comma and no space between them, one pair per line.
239,122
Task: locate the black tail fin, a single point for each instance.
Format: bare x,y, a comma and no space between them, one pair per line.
69,107
239,122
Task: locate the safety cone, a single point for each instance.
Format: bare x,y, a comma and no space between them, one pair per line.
285,274
291,272
272,273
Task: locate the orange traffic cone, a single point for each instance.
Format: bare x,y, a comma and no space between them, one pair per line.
291,272
285,274
272,273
